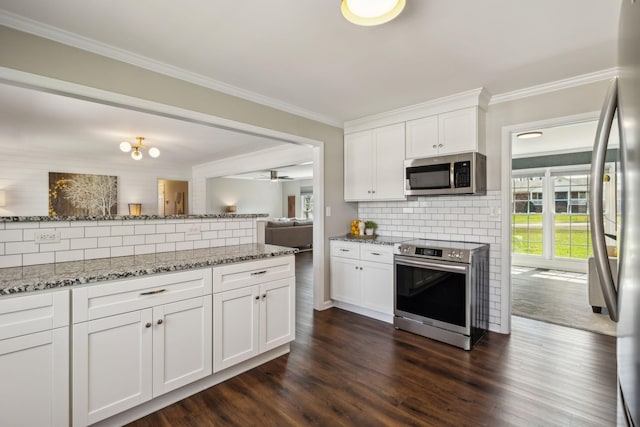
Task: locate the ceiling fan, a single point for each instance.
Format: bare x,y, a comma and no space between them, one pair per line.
273,176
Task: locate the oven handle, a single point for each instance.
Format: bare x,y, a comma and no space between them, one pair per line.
436,265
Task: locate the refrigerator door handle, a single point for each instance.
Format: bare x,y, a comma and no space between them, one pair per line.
598,159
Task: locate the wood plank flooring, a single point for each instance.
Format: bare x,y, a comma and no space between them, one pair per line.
349,370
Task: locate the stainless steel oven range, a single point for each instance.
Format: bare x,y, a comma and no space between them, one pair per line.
441,290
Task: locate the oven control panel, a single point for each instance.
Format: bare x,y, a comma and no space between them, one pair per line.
449,254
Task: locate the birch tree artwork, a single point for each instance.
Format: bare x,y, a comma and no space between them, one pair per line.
82,195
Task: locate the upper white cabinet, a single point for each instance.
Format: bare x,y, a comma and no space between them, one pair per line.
447,133
34,360
373,164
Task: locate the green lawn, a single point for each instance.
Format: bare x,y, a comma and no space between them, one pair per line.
572,235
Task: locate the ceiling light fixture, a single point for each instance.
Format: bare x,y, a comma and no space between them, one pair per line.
529,135
136,154
371,12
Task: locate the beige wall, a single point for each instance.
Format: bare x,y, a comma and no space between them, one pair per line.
32,54
562,103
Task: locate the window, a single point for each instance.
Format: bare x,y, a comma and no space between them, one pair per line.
527,207
571,227
306,195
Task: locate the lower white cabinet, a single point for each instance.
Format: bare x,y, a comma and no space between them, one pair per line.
250,318
362,275
34,360
125,359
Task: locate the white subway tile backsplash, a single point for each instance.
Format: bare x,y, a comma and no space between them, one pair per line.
86,243
106,242
13,248
122,251
97,232
144,229
133,240
102,239
464,218
41,258
122,230
11,235
66,256
10,261
97,253
73,233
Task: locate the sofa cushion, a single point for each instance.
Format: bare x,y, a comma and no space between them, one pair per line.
303,222
274,224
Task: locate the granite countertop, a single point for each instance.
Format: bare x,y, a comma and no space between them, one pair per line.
378,240
15,280
123,217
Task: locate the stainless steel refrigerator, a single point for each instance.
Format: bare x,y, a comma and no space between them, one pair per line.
622,103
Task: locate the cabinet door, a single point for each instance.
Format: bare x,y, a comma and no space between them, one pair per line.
345,280
422,138
182,343
236,317
458,131
34,373
389,162
358,166
277,313
377,286
112,365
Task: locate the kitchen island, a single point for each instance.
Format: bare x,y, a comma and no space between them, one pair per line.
106,341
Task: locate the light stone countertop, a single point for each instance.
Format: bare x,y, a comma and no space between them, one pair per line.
378,240
14,280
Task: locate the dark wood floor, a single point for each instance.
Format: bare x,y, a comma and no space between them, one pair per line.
349,370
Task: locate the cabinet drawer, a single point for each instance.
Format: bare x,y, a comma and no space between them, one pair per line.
345,249
377,253
111,298
238,275
26,314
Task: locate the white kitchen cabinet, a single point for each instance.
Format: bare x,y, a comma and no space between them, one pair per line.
250,317
34,360
136,339
447,133
373,164
362,275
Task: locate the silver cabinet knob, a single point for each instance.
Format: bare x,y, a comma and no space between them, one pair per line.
160,321
148,325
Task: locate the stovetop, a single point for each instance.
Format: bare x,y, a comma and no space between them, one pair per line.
443,244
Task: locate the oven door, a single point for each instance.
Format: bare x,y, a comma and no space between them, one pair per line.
437,293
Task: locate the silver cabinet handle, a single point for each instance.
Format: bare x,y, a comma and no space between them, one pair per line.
595,199
257,297
439,145
148,325
158,291
376,253
435,146
264,296
160,321
345,250
258,273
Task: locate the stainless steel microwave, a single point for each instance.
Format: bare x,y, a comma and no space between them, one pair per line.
464,173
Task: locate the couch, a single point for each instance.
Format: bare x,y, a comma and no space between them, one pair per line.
292,233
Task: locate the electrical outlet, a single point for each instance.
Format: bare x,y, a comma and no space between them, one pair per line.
47,236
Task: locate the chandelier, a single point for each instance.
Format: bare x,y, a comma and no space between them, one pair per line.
136,154
371,12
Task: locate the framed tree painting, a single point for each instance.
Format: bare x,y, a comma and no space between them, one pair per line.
73,194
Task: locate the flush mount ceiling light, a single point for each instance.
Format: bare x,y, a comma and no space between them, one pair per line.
529,135
371,12
136,154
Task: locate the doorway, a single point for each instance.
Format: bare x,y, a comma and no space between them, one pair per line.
549,231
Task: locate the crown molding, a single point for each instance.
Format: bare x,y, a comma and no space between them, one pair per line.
472,98
30,26
557,85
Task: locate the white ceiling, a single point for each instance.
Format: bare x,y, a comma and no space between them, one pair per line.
303,56
33,122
